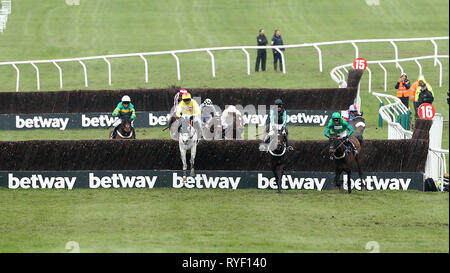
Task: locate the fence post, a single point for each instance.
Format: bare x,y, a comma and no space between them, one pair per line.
408,120
380,119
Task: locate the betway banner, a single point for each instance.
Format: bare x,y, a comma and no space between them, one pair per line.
143,120
202,180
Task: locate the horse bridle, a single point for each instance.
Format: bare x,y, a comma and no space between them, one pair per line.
191,126
279,143
335,149
122,136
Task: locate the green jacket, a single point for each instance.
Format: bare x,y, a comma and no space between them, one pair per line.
341,127
125,111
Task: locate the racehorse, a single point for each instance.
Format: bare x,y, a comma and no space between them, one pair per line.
125,130
212,129
236,130
343,160
187,141
277,148
359,125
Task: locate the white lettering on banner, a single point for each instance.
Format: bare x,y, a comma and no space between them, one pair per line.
255,119
121,181
289,182
300,118
102,121
38,181
309,119
155,120
40,122
201,181
309,183
375,183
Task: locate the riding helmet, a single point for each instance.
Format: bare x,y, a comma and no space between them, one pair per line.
126,99
336,115
186,96
279,102
208,102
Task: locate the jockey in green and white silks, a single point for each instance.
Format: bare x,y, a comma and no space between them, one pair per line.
278,117
338,125
125,107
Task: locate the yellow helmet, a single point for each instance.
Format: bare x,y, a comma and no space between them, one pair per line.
186,96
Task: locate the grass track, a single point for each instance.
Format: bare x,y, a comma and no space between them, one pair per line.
168,220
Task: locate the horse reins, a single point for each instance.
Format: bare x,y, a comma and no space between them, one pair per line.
334,153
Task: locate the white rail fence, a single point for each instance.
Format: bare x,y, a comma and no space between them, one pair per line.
435,166
5,10
391,109
338,76
439,168
209,51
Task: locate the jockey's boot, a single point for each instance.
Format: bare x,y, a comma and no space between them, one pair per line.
275,66
351,147
133,131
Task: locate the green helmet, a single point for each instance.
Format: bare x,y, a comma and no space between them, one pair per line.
336,115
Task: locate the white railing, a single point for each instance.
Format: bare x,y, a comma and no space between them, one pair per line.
338,76
5,10
391,109
439,168
435,166
209,51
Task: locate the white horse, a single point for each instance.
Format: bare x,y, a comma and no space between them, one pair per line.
187,140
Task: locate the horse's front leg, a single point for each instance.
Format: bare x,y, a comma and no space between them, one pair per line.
349,181
280,180
183,159
193,152
364,187
277,177
336,178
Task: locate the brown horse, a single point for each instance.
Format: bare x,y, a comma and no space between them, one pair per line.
125,130
343,160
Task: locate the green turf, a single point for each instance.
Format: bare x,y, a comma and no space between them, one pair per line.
168,220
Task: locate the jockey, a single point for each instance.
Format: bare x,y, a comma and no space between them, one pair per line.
278,117
208,111
124,108
178,96
227,115
353,112
188,106
339,126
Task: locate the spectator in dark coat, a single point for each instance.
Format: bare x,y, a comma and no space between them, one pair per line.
277,40
261,58
425,96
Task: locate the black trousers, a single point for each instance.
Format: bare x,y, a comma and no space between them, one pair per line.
276,57
405,101
416,105
261,59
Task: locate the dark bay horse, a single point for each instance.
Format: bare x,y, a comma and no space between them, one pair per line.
125,130
343,160
278,149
